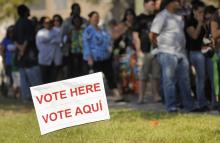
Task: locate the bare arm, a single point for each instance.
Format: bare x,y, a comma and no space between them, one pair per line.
118,30
21,48
215,30
194,32
153,38
137,43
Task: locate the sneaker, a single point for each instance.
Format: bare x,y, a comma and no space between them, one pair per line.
173,110
120,100
199,110
205,109
214,108
195,110
157,99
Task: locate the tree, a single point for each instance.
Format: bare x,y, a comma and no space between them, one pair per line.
8,7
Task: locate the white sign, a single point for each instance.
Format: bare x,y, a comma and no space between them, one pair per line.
70,102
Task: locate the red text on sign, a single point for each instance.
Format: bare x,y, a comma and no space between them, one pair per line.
85,89
62,114
52,96
91,108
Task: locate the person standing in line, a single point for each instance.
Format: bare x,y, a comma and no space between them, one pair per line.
167,34
97,51
8,49
77,67
195,33
124,57
48,42
11,70
57,22
66,29
215,31
210,55
143,45
26,53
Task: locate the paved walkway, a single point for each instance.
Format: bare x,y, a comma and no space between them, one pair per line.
148,106
131,103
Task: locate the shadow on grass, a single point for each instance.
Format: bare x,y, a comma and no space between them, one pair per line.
14,105
131,115
10,104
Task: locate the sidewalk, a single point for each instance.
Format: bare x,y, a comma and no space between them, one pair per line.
149,105
131,103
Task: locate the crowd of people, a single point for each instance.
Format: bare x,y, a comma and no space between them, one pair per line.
175,48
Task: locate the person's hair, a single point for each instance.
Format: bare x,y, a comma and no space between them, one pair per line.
92,13
129,11
210,9
59,17
41,21
73,7
197,4
34,20
113,22
9,30
23,10
164,3
146,1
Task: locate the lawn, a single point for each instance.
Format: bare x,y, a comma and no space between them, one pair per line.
18,124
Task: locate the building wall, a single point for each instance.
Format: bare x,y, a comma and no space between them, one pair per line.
3,27
63,7
139,6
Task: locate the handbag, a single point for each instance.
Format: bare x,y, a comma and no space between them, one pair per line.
207,49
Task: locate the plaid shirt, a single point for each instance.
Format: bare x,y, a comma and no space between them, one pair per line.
96,44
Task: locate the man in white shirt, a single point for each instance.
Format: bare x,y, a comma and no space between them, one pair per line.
167,34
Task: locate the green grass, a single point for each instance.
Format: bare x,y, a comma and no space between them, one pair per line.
17,124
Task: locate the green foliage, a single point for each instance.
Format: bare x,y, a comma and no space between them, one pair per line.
8,7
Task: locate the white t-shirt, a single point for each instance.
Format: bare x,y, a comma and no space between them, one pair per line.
48,44
170,30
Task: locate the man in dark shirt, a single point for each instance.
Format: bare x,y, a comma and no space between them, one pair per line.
26,54
143,47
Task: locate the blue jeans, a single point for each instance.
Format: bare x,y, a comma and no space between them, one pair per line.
175,71
29,77
197,59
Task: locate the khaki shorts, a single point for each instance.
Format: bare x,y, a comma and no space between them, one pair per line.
16,79
150,67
